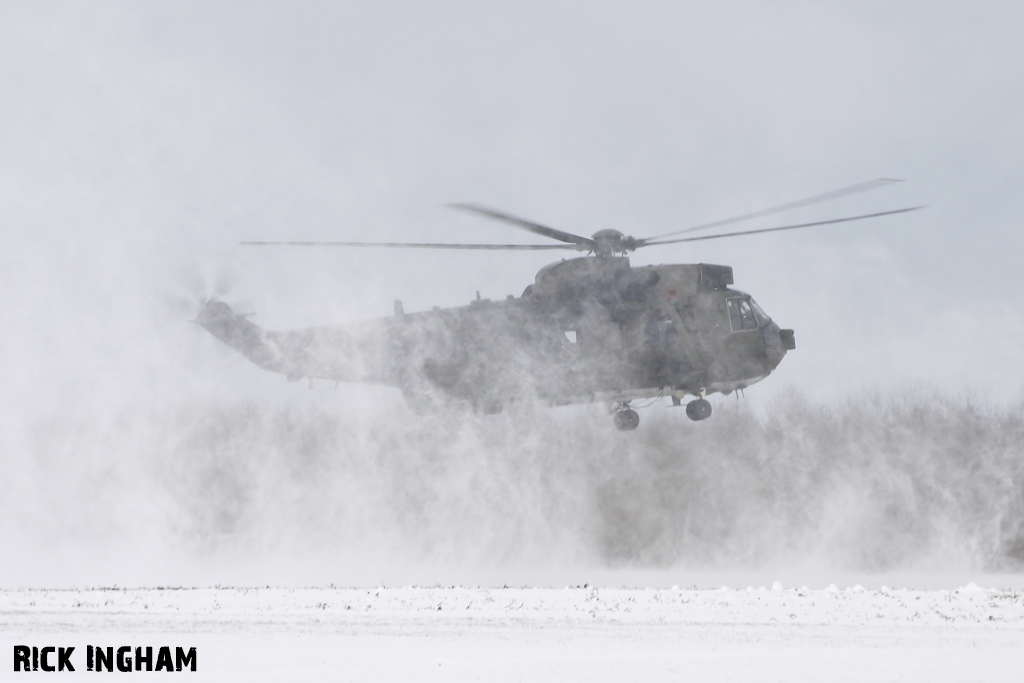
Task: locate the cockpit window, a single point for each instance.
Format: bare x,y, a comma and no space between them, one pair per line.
762,317
741,315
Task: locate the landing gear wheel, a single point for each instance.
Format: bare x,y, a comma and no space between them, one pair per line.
698,410
626,420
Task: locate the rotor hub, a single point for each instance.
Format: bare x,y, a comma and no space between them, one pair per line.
611,242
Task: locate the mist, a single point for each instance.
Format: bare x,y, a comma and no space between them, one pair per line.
253,491
138,145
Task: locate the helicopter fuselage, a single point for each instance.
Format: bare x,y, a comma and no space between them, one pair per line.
588,329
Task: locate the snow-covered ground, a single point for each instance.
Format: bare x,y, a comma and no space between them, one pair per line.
577,633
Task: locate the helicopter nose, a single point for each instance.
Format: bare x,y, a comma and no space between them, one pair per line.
776,343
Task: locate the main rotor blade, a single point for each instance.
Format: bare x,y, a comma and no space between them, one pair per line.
816,199
537,228
410,245
784,227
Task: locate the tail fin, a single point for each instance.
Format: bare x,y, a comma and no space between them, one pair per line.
212,311
249,339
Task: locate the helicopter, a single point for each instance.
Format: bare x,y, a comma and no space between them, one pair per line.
588,329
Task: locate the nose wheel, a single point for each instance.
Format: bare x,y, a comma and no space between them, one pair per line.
698,410
626,419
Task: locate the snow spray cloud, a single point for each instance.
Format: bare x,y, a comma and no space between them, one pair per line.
248,490
869,485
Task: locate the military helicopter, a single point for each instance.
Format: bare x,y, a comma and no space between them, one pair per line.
589,329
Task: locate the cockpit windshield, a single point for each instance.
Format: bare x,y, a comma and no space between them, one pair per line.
762,317
741,314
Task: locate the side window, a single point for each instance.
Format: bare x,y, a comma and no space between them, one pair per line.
741,315
660,331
